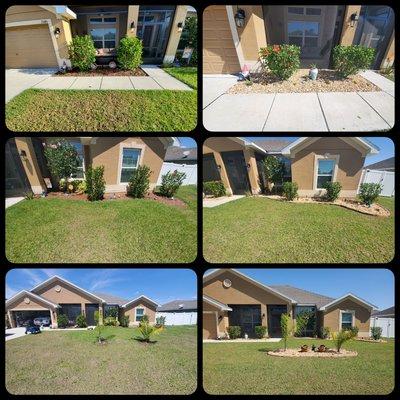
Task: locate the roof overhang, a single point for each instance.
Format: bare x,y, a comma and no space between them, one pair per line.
352,297
248,144
142,297
216,303
68,283
219,271
61,12
169,141
35,296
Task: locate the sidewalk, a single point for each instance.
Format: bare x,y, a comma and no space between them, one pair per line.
327,111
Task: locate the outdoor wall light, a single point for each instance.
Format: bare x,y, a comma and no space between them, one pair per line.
132,26
23,154
180,26
263,315
248,165
220,318
57,33
219,167
353,19
240,16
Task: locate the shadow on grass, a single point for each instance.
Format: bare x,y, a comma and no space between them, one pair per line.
144,341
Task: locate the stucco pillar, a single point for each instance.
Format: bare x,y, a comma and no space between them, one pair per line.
252,170
133,16
388,59
11,319
175,34
348,31
223,173
264,315
30,164
100,314
83,309
53,316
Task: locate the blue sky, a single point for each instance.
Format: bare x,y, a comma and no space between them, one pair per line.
373,285
187,142
161,285
385,145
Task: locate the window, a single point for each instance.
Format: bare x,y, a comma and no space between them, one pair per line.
139,314
347,320
104,38
80,174
313,11
303,34
296,10
324,172
130,161
101,20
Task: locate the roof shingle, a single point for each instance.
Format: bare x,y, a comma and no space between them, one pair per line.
179,305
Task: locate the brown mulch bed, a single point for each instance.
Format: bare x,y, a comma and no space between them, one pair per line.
297,353
104,71
119,196
370,340
299,82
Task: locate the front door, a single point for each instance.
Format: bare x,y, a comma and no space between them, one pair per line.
247,317
274,319
154,25
374,29
90,309
236,169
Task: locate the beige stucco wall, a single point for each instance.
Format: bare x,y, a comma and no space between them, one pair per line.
211,328
149,310
362,316
34,304
349,169
388,59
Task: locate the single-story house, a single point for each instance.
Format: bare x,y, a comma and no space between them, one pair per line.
230,298
384,165
233,34
38,36
179,312
386,320
56,296
27,168
309,161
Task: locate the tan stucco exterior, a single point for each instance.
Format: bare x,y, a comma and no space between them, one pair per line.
149,310
175,34
348,31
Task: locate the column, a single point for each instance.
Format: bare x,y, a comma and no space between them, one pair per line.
132,21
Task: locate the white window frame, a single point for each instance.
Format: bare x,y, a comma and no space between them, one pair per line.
335,158
104,25
139,308
353,319
303,33
121,153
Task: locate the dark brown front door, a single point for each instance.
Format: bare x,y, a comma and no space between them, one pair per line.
236,169
274,319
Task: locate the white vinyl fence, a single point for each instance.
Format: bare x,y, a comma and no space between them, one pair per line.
189,169
387,325
385,178
178,318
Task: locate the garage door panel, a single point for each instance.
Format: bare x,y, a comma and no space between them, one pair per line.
30,47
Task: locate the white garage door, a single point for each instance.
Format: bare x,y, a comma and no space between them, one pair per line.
179,318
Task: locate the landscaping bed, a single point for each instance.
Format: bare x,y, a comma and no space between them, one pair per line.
297,353
299,82
103,71
369,340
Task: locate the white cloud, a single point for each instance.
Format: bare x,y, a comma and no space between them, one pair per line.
99,280
33,277
10,291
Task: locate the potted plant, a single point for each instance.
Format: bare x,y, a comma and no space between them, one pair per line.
321,348
304,348
313,73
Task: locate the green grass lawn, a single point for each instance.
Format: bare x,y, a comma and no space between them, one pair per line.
245,368
127,231
102,110
257,229
73,363
187,75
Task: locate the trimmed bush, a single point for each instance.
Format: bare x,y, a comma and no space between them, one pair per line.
376,332
124,321
110,321
324,333
353,331
282,60
332,190
95,183
160,321
348,60
274,170
214,188
82,52
171,182
81,321
290,190
369,192
234,332
129,53
62,321
139,182
260,331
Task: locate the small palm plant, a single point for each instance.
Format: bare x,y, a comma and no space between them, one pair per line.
341,337
146,331
286,328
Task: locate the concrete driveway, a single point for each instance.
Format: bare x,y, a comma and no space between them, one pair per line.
18,80
14,333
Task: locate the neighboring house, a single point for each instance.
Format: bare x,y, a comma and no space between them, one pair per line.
38,36
381,172
386,320
27,169
384,165
179,312
230,298
56,296
309,161
233,34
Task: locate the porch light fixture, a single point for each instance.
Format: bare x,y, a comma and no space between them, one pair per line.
23,154
180,26
57,33
240,16
263,315
248,165
353,19
132,26
220,318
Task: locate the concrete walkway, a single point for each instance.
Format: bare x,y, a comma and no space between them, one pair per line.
214,202
19,80
270,340
327,111
10,201
14,333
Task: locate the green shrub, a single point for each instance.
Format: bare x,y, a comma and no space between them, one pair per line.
348,60
124,321
353,331
376,332
95,183
274,169
214,188
129,53
282,60
146,330
324,333
290,190
110,321
171,182
234,332
29,195
145,319
96,317
80,186
62,321
341,337
189,38
81,321
286,328
369,192
260,331
82,52
139,182
332,190
160,321
111,312
302,321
